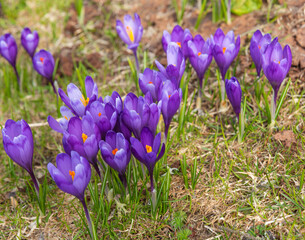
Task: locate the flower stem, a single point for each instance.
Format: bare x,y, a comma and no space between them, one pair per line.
223,90
166,132
137,61
17,75
241,122
36,184
273,105
92,233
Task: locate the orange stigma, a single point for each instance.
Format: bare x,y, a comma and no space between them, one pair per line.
72,174
199,53
148,148
179,44
114,151
84,137
169,96
66,118
130,33
259,47
41,59
99,114
84,101
224,50
150,82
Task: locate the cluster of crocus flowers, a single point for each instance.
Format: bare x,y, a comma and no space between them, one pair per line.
43,61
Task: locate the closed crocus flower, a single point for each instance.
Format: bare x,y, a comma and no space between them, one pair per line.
170,103
18,145
139,113
150,81
104,115
9,50
116,101
130,31
179,36
234,94
225,49
29,40
200,55
276,64
43,63
76,100
146,150
258,45
175,64
115,151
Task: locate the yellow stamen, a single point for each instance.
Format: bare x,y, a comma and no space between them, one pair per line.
279,62
114,151
179,44
99,114
130,33
148,148
66,118
72,174
224,50
199,53
84,137
84,101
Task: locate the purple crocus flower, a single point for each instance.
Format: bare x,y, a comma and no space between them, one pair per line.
115,151
81,136
9,50
179,36
76,100
43,63
146,150
104,115
116,101
150,81
140,112
29,40
131,33
18,145
225,49
170,103
258,45
175,64
234,93
276,63
72,175
200,55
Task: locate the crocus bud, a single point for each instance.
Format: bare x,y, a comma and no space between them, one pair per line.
225,49
234,94
18,145
72,174
29,40
131,31
8,48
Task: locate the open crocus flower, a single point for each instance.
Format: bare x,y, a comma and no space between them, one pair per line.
18,145
234,93
150,81
9,50
175,64
225,49
43,63
29,40
131,33
81,136
72,175
179,36
170,103
200,55
276,63
147,150
76,100
139,113
115,151
104,115
258,45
